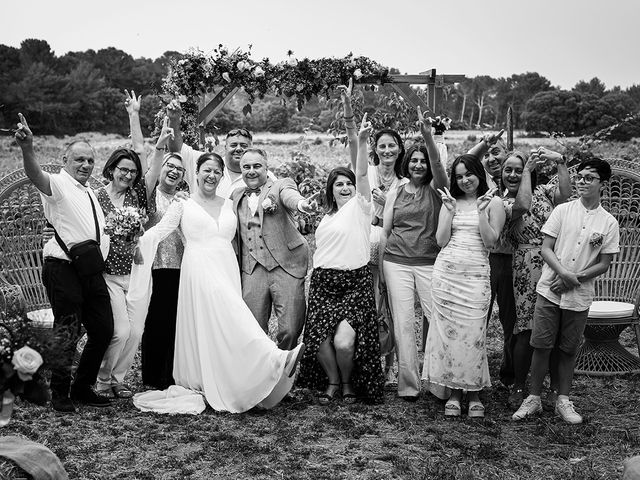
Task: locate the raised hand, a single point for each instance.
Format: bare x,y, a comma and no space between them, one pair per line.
532,161
483,201
365,128
546,154
132,103
345,91
174,110
165,134
23,134
424,122
492,138
447,199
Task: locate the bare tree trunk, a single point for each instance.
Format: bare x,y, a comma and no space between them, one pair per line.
464,106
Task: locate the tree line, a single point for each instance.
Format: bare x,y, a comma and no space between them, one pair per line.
83,91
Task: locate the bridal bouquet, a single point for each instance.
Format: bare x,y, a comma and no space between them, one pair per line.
126,224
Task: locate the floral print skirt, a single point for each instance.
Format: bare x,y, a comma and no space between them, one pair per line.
527,268
334,296
455,353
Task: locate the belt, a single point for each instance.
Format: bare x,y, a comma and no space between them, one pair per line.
56,260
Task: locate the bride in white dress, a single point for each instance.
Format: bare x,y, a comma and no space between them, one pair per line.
221,352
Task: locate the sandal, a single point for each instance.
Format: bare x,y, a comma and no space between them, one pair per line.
348,398
452,408
476,410
326,398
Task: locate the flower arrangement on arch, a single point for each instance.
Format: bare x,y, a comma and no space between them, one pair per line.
196,73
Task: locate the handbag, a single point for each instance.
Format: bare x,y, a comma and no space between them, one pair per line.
86,257
385,325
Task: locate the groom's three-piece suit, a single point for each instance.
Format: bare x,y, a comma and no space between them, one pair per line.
274,257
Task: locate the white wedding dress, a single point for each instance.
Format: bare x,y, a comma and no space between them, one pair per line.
221,352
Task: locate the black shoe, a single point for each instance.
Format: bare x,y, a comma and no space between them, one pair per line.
410,398
62,404
87,396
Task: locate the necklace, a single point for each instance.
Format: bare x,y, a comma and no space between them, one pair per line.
385,179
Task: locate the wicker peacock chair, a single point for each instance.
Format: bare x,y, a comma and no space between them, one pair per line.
617,292
21,223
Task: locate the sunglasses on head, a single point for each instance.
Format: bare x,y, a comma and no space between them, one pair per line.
243,132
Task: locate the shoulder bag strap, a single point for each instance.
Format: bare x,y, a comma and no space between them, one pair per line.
95,221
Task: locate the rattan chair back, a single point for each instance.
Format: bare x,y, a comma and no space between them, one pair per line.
21,224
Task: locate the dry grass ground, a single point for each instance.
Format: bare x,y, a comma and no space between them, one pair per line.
302,440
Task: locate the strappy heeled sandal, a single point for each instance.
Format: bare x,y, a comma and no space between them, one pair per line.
326,398
348,398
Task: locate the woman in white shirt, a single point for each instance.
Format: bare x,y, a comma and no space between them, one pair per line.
341,331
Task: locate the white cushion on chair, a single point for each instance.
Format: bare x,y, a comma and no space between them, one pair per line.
42,318
610,310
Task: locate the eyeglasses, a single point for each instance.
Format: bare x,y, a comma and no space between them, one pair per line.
171,166
586,178
240,132
127,171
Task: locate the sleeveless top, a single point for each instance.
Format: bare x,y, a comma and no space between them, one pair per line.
412,240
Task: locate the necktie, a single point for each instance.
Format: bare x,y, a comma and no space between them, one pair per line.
249,191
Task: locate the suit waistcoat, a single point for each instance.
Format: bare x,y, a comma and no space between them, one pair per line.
254,249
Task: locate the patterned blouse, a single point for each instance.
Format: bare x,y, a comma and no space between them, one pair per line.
120,257
527,229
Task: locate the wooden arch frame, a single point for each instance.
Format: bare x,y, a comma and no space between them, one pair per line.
210,105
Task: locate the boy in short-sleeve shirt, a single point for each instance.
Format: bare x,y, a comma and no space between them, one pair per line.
580,240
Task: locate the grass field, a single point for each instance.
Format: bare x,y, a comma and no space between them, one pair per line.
302,440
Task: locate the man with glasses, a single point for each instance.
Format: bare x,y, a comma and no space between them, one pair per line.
236,143
580,240
72,208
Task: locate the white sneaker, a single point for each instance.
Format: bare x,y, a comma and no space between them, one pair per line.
530,406
567,411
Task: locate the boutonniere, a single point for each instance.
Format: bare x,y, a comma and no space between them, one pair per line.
269,204
596,239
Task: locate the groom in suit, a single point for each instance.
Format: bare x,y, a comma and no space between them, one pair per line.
273,254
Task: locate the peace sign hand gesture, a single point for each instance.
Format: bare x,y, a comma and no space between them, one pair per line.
483,201
365,128
447,200
23,134
132,103
345,91
165,134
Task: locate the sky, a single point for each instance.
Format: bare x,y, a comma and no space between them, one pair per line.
564,40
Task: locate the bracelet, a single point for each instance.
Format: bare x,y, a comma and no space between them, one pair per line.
346,119
163,149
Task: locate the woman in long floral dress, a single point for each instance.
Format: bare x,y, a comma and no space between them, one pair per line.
470,222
